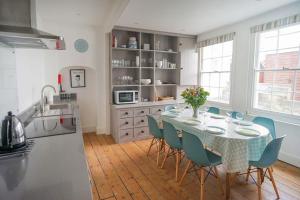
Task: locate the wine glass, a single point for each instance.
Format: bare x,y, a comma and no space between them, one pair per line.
239,117
229,116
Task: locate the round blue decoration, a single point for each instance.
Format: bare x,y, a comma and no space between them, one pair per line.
81,45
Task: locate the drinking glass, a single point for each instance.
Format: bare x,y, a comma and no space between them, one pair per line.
239,117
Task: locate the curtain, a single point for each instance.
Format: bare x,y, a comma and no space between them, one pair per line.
216,40
276,24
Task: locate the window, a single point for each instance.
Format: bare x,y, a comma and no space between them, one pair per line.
215,70
277,70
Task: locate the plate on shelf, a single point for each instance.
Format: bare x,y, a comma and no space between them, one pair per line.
243,123
247,132
215,116
215,129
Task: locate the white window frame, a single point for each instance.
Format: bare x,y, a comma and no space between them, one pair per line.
251,110
222,105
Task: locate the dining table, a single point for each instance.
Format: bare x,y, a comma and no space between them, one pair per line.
237,141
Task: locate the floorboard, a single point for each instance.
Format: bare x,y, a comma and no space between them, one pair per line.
123,171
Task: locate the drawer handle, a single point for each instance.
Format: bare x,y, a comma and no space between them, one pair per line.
142,111
126,134
142,131
142,120
159,110
126,113
126,123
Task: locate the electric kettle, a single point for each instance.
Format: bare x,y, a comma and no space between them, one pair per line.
12,133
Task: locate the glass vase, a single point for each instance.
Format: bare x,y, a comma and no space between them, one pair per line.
195,112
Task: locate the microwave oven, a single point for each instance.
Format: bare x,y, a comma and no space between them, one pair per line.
126,96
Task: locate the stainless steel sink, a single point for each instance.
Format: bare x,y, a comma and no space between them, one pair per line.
55,110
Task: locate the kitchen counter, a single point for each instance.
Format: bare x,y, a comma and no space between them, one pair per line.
54,169
145,104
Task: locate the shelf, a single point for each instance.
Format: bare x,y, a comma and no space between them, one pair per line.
125,67
147,85
166,68
143,50
170,52
136,85
170,84
124,49
147,67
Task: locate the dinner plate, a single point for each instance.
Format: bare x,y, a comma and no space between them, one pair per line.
217,116
191,122
176,110
247,132
172,115
215,129
243,123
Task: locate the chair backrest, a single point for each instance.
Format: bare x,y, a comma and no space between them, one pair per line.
214,110
233,114
169,107
194,149
266,122
153,127
271,152
170,136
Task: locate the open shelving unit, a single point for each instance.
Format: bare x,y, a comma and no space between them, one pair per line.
153,63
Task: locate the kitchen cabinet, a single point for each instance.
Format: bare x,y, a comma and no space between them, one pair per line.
188,61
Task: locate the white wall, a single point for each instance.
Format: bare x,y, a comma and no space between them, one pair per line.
241,65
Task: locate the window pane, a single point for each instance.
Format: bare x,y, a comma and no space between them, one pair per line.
289,40
297,84
224,94
225,80
264,81
288,58
281,102
227,48
217,50
262,100
216,64
267,60
290,29
214,80
226,64
214,94
296,108
205,79
268,41
207,65
207,52
284,81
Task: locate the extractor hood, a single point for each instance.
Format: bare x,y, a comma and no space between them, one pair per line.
17,18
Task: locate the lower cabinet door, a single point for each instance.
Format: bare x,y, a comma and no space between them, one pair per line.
125,135
141,133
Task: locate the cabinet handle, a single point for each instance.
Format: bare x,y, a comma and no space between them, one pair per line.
159,110
142,120
126,134
126,122
142,131
142,111
126,113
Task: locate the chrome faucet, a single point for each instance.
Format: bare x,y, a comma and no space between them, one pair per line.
43,96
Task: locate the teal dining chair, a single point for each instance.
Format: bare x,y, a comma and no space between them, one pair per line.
267,159
214,110
233,114
158,137
169,107
198,159
174,146
266,122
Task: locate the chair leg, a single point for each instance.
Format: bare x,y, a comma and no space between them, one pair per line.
219,180
185,171
259,182
165,158
248,173
152,142
177,164
262,175
202,177
158,152
273,182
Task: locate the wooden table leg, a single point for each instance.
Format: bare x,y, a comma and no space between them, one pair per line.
228,180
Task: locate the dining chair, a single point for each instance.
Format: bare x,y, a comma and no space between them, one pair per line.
169,107
267,159
266,122
174,146
214,110
158,137
198,159
233,114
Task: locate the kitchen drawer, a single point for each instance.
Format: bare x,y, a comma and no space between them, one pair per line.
157,110
140,121
126,123
124,113
141,112
142,132
125,135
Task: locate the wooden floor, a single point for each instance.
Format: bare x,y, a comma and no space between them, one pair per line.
123,171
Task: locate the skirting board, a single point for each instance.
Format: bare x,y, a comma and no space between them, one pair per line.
88,129
288,158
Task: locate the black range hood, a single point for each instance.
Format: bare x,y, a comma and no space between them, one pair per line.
17,18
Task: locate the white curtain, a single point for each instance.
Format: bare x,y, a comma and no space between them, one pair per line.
216,40
276,24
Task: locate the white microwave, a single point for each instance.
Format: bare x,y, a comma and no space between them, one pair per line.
126,96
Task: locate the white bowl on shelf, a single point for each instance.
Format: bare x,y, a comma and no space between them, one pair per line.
145,81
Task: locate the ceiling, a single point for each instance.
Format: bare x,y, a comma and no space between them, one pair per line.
192,16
